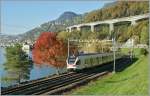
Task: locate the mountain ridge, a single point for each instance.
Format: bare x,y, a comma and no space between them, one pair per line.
67,18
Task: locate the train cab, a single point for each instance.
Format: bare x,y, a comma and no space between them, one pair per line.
71,62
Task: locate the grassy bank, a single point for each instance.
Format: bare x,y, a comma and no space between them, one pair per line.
132,81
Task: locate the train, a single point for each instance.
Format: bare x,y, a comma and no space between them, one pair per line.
90,60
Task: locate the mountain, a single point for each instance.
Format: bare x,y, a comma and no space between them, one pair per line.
67,16
110,4
64,20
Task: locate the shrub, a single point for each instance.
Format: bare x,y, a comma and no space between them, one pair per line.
143,51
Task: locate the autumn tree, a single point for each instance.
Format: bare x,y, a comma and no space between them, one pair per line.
48,49
63,35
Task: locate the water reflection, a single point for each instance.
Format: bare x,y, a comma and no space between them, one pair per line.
41,72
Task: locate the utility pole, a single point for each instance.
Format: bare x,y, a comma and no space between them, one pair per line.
132,45
68,47
114,52
102,49
114,55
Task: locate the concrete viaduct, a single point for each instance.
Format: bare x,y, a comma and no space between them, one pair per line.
111,22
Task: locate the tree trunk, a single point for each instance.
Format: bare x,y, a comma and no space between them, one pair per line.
19,81
57,71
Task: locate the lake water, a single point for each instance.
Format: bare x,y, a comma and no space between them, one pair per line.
35,73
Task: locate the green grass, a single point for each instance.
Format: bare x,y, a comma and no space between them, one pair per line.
132,81
136,51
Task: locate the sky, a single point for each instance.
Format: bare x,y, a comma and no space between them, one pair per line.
18,17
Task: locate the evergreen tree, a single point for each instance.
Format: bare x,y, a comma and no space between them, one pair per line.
18,65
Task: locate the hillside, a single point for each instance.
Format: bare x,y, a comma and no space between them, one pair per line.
117,10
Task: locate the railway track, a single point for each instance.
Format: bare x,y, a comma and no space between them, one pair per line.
57,84
33,81
30,84
50,84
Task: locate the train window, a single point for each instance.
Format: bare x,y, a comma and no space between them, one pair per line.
85,61
100,58
97,59
78,62
104,59
91,61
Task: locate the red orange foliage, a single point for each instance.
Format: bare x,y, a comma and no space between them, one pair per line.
49,50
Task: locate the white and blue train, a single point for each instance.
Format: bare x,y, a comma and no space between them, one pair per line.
89,60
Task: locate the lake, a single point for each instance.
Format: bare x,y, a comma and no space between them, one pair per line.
35,73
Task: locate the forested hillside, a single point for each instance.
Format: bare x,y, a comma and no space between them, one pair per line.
118,10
